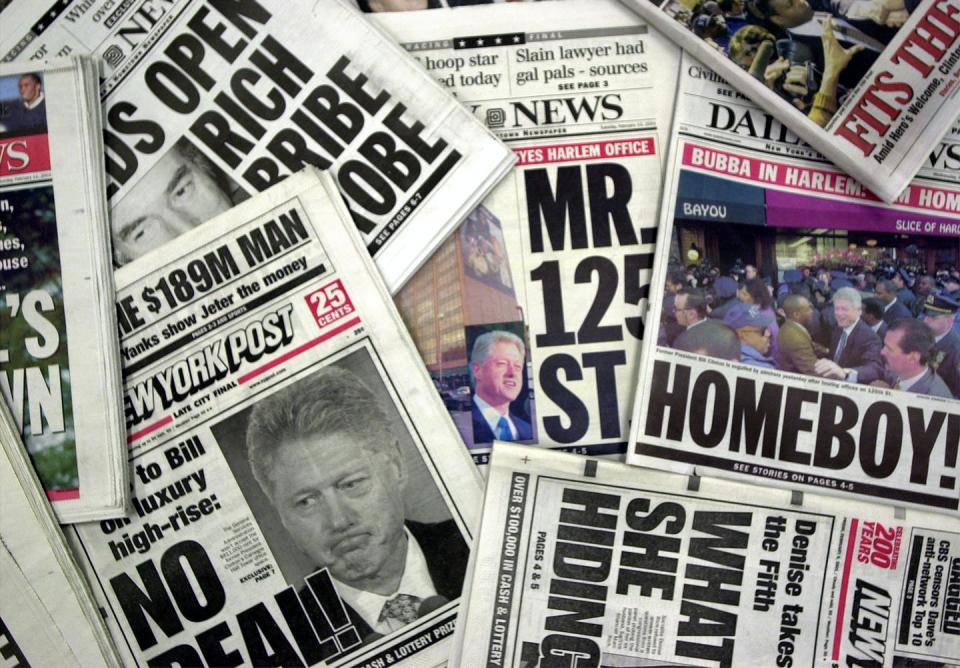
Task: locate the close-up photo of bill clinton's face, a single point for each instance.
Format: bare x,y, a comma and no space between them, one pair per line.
342,503
176,195
499,377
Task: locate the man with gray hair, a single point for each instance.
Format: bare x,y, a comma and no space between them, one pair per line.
326,456
497,366
854,347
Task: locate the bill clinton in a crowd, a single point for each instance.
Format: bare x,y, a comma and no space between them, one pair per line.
497,364
854,347
324,453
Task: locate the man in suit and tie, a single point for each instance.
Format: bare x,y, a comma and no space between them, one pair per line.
907,349
325,454
497,365
854,347
893,309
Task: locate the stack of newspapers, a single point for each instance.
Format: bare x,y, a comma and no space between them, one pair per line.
677,284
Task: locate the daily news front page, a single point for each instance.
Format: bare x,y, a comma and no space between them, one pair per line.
208,102
871,84
821,401
594,563
550,276
300,495
59,359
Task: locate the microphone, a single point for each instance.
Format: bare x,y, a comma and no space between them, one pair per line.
430,604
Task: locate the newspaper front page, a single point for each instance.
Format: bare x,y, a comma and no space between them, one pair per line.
58,346
806,329
554,268
208,102
300,496
583,562
871,84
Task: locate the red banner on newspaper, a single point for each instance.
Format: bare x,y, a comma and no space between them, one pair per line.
24,155
583,151
747,167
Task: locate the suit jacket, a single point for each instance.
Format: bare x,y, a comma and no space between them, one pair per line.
862,352
896,312
932,384
882,330
446,554
483,434
947,354
795,349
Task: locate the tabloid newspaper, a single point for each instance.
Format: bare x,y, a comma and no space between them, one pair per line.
47,614
59,360
207,102
560,253
584,562
785,324
871,84
300,495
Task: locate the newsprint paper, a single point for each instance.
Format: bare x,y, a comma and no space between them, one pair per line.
208,102
871,84
300,496
560,253
59,359
47,614
811,402
584,562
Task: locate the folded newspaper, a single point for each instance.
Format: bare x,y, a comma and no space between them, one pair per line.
209,102
59,360
48,616
871,84
583,562
540,341
791,349
300,495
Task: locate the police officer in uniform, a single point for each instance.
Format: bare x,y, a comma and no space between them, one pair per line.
940,311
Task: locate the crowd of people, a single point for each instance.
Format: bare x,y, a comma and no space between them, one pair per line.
889,327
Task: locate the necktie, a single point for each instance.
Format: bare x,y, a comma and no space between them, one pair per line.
503,430
840,346
402,608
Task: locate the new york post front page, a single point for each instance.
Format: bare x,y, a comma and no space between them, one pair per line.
807,330
300,496
593,563
550,276
207,103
